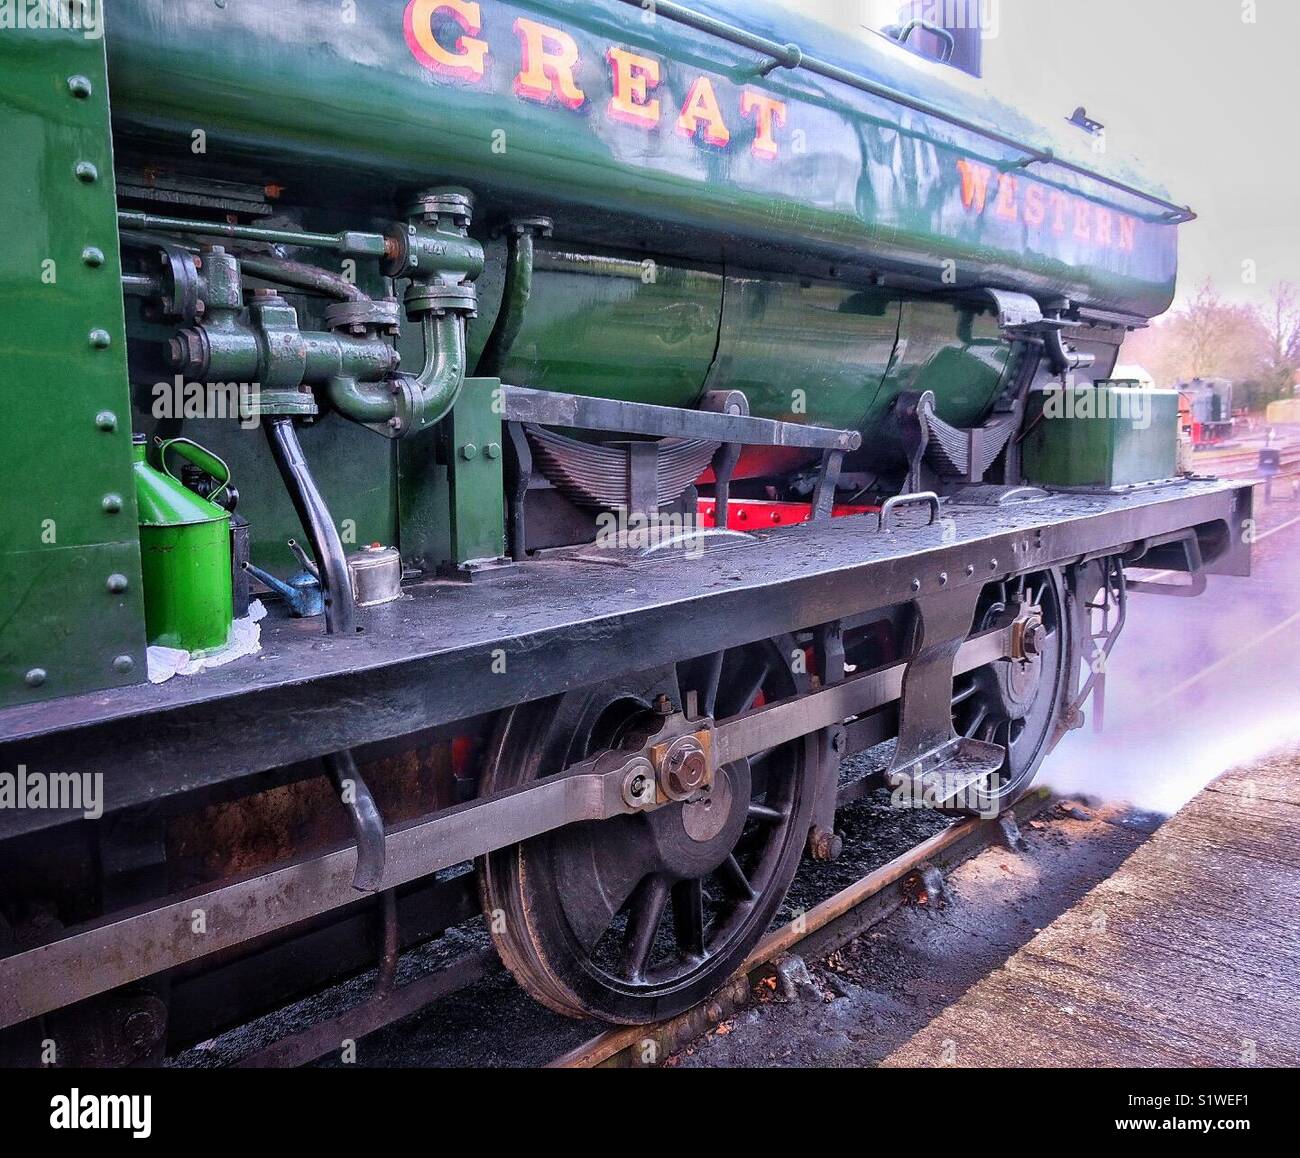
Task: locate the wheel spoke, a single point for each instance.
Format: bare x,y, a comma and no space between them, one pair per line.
642,924
743,690
962,696
766,812
735,881
688,917
977,722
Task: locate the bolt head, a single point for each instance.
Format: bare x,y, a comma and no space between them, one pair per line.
101,339
80,86
35,678
123,664
116,584
1035,638
86,172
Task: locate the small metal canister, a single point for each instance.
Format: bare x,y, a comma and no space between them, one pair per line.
376,573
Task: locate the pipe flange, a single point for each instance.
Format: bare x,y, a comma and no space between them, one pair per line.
528,226
431,204
439,297
359,317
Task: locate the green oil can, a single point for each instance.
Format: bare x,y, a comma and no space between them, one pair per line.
185,549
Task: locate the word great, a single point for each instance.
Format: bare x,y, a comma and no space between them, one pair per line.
445,37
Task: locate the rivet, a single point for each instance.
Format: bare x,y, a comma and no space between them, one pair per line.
993,564
943,578
468,451
112,504
80,87
916,585
35,677
106,420
93,256
123,664
116,584
970,568
493,450
101,339
86,172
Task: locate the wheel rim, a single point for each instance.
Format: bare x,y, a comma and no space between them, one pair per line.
1013,704
637,918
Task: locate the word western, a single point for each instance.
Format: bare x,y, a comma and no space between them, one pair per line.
1013,199
445,37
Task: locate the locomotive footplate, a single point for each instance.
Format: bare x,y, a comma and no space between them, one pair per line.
451,651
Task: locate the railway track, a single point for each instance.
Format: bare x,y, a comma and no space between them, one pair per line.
915,876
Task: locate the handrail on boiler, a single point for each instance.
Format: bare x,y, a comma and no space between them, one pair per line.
793,57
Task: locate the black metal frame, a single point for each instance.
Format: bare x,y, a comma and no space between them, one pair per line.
454,651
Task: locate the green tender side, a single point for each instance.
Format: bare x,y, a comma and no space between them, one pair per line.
73,616
1101,436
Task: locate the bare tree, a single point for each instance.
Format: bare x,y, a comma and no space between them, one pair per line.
1280,358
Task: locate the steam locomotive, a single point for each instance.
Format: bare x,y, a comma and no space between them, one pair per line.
557,437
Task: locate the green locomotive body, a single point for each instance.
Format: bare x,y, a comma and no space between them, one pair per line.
478,280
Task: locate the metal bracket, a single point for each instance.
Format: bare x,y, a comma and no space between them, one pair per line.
1191,546
550,408
895,504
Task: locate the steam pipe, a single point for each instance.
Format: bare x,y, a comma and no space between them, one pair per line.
336,587
442,377
302,276
515,298
349,243
413,402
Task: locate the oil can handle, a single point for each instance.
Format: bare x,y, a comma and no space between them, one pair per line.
210,464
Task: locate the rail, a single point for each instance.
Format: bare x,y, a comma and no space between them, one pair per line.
791,56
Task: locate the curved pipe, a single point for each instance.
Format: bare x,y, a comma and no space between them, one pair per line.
417,401
442,377
366,819
371,403
302,276
336,587
514,300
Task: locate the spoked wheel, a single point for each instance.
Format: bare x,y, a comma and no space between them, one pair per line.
1018,704
637,918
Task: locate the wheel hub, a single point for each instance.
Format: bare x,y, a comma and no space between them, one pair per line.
694,838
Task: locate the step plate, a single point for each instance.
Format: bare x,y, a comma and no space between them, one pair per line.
965,777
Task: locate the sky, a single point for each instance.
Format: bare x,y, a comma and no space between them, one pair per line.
1202,96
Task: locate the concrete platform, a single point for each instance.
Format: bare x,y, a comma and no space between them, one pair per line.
1188,956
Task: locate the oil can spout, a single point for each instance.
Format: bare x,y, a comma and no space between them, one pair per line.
302,592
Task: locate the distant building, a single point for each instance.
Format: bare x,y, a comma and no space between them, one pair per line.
1134,373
